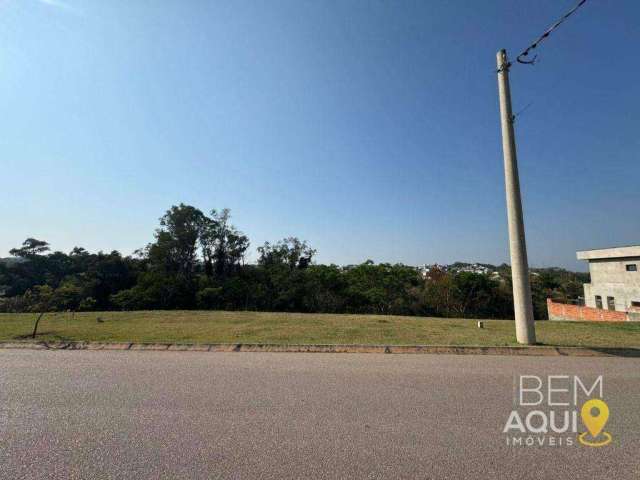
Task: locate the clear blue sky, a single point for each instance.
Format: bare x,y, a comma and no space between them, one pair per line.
368,128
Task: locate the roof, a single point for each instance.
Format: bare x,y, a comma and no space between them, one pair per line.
615,252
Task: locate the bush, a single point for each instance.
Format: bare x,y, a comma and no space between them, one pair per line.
209,298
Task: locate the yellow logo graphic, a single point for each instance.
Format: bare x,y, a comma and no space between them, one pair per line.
595,414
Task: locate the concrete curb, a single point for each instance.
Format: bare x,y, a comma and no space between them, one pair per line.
302,348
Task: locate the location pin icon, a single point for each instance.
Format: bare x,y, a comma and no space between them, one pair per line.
594,420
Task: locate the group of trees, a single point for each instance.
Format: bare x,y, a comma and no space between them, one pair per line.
198,261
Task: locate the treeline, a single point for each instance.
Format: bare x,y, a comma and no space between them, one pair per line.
197,261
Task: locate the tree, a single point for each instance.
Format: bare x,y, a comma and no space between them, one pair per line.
156,290
170,263
40,301
196,260
174,250
66,297
289,251
324,289
30,268
104,274
223,246
31,247
383,288
465,294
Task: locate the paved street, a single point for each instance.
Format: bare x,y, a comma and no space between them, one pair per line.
82,414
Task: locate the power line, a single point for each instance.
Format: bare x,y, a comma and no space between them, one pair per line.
546,34
516,115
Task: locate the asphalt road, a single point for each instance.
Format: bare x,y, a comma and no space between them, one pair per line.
81,414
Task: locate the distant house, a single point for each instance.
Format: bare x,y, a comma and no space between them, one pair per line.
474,268
426,270
615,278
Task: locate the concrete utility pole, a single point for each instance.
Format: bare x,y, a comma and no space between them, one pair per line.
523,308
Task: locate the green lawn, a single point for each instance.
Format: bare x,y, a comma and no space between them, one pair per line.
292,328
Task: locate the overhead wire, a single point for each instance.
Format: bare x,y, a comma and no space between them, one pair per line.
521,58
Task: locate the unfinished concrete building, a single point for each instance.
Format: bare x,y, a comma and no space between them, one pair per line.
615,278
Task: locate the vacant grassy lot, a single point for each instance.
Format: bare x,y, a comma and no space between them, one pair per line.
283,328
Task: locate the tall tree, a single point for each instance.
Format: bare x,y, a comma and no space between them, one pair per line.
31,247
223,246
175,248
289,251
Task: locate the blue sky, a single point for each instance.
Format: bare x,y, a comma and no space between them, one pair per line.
368,128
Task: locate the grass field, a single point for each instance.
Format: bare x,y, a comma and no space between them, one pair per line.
291,328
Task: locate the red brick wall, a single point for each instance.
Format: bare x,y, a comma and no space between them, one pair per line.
561,311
